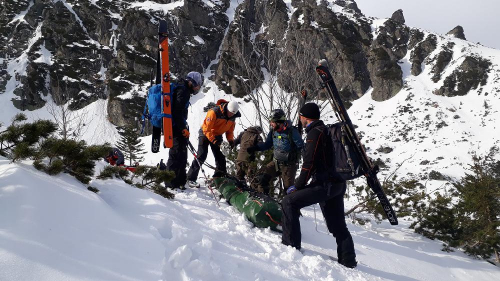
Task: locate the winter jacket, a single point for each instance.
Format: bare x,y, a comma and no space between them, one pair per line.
317,150
115,157
180,103
217,123
287,141
248,138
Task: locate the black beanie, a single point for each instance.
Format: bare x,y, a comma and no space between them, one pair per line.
310,110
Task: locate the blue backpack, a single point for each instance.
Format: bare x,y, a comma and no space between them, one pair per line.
153,109
153,106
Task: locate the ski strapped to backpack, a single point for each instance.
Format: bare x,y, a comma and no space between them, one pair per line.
355,153
158,108
166,92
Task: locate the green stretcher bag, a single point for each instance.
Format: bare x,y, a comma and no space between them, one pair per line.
262,210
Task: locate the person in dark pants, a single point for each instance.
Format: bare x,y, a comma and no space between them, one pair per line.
245,162
287,144
177,155
219,120
323,189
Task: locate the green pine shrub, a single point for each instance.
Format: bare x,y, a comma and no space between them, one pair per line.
21,140
70,156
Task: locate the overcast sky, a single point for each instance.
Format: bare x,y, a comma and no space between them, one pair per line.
479,18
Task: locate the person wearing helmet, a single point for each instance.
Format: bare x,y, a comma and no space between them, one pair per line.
287,144
177,155
245,162
219,120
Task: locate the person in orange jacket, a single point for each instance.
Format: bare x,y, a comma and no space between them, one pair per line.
219,120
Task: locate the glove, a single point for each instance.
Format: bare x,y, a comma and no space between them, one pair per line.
231,144
252,149
185,133
217,142
291,189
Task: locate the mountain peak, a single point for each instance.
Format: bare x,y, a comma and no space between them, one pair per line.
457,32
398,16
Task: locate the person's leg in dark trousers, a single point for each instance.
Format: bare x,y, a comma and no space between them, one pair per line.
269,173
220,159
202,156
290,208
288,173
177,160
241,170
333,212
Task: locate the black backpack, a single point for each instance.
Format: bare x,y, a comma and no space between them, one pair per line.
345,161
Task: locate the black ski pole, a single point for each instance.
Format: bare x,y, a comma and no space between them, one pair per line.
195,154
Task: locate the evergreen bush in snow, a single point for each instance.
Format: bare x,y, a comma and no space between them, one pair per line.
70,156
20,140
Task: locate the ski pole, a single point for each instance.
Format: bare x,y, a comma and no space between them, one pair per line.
195,154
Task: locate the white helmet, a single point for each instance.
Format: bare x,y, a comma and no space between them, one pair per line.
233,107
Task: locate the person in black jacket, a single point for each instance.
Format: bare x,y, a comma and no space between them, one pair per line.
323,189
177,155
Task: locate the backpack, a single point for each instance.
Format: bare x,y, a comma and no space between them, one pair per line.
287,156
154,103
346,164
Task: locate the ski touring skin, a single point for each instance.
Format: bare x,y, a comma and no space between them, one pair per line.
368,168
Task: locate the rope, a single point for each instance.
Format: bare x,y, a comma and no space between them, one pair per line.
271,218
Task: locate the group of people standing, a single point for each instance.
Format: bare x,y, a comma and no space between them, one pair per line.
288,147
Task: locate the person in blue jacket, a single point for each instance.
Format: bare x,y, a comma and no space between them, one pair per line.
287,144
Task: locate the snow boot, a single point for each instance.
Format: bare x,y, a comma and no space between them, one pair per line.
345,252
193,184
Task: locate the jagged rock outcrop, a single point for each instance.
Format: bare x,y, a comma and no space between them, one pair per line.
457,32
472,73
250,43
325,34
388,48
255,39
415,37
349,4
101,50
422,51
442,60
398,16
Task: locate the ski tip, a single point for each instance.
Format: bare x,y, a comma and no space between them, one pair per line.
162,28
323,62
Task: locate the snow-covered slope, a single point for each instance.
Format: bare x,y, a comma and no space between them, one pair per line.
428,131
52,228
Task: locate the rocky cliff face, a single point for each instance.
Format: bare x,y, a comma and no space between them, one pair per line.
79,51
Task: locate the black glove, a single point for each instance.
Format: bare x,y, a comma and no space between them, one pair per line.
231,144
217,142
252,149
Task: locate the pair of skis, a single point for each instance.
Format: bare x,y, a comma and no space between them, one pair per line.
340,111
163,77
